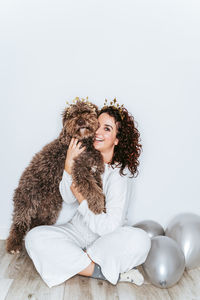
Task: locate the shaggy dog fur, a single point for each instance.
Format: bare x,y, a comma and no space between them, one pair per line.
37,200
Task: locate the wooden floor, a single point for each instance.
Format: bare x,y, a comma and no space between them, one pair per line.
20,281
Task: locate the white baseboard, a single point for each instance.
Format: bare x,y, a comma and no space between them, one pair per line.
4,231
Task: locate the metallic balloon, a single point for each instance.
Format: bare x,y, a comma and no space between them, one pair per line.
165,262
151,227
185,230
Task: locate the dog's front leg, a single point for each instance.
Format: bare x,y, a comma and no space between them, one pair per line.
90,188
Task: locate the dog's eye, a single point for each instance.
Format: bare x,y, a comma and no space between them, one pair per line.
72,115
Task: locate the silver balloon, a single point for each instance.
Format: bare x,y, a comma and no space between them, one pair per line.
165,262
185,229
151,227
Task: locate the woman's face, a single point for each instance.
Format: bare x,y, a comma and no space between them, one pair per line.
105,139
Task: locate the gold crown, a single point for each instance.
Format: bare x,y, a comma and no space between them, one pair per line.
77,99
115,105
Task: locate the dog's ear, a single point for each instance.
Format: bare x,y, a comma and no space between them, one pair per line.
64,115
64,137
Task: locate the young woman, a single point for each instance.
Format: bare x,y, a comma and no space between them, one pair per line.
99,246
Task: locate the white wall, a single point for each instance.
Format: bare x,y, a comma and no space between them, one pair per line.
145,53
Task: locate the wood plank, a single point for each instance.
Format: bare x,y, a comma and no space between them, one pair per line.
6,260
194,277
25,281
43,292
103,290
183,287
4,287
129,291
77,287
28,284
16,266
81,287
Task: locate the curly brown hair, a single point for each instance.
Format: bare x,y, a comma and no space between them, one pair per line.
128,149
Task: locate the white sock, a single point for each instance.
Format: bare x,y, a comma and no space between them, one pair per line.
133,276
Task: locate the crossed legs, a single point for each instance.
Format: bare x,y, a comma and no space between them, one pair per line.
57,252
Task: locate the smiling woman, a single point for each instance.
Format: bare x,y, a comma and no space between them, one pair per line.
106,139
101,245
118,130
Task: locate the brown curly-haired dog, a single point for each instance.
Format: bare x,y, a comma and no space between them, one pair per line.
37,200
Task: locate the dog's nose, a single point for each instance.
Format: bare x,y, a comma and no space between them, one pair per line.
81,122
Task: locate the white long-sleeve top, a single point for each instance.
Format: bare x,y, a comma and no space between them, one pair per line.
118,192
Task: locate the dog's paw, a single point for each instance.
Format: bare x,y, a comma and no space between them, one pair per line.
97,209
14,252
12,248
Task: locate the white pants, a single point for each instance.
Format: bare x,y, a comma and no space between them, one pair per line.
57,251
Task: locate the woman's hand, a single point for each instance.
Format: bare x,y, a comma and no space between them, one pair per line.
77,195
72,152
